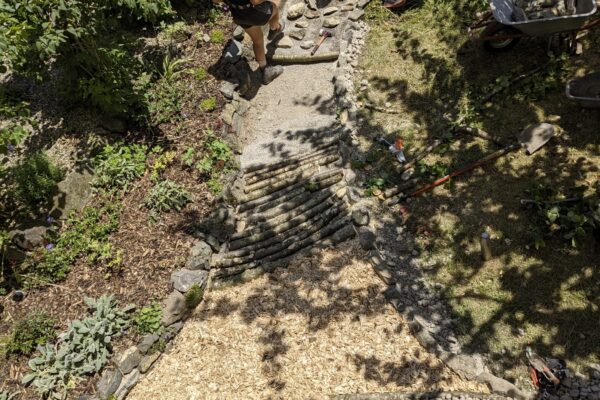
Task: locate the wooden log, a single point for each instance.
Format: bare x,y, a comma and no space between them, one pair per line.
306,58
259,168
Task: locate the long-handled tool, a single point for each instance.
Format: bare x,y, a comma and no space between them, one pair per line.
531,138
324,34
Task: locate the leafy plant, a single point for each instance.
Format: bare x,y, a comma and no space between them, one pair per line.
217,36
166,196
209,104
200,74
34,330
148,319
161,163
193,297
35,179
374,186
84,235
175,32
11,137
438,169
188,157
82,350
164,101
173,68
119,165
214,185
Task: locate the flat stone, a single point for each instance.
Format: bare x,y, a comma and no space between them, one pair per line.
297,34
501,386
366,238
356,15
174,308
109,382
331,22
330,10
307,44
184,279
199,256
301,24
227,89
238,33
147,362
312,14
312,4
296,10
467,366
348,7
29,239
363,3
360,217
128,382
147,342
285,43
73,194
129,359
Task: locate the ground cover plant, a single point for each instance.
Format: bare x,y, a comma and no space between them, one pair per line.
421,63
124,105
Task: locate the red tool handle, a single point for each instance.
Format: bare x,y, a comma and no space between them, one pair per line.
469,167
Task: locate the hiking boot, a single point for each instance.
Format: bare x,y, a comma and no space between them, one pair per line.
269,73
276,34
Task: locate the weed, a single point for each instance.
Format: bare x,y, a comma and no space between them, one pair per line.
164,101
374,186
35,178
174,68
193,297
34,330
312,186
11,137
217,36
208,105
187,158
177,31
148,319
438,170
214,185
161,163
119,165
200,74
84,235
167,196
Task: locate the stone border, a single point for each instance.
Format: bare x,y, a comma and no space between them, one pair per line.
426,313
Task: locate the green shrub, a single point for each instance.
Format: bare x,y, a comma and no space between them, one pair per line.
35,178
177,31
200,74
193,297
10,137
209,104
166,196
217,36
84,235
214,185
161,162
188,157
27,334
217,159
119,165
148,319
164,101
83,349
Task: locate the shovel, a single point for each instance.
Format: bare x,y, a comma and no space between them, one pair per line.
531,139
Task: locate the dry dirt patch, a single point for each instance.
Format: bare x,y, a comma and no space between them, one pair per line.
319,327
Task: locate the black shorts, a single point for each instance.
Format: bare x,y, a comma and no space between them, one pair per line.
254,16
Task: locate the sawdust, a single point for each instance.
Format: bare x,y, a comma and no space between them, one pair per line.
318,328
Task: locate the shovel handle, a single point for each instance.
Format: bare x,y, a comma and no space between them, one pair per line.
314,50
469,167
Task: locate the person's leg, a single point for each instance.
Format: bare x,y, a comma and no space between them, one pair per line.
274,21
258,44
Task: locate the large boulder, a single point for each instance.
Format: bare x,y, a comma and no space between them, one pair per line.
199,256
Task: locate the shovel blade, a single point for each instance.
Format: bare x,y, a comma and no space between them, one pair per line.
535,136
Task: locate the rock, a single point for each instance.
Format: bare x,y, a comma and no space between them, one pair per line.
565,397
174,309
301,24
312,4
113,124
29,239
307,44
184,279
366,238
147,342
297,34
406,175
109,382
467,366
362,3
360,217
129,359
501,386
233,51
176,327
296,10
285,43
227,89
330,10
199,256
206,38
356,15
348,7
73,193
331,22
312,14
238,33
147,362
128,382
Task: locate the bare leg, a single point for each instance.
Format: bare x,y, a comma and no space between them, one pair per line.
274,21
258,44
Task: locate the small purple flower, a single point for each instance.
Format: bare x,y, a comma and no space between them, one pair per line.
49,219
49,246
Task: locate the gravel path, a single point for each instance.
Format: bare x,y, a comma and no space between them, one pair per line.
319,327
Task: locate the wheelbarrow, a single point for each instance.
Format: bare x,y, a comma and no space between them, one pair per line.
501,32
585,90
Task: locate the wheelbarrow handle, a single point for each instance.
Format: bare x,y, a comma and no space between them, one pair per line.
493,156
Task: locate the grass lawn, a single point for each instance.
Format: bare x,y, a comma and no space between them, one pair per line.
421,63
